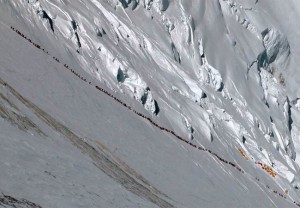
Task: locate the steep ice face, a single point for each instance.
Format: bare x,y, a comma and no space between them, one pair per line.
277,50
208,74
277,47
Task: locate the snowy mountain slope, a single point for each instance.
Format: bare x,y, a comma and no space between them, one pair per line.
219,73
100,158
186,165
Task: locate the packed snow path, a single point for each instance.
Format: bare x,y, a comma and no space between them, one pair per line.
283,195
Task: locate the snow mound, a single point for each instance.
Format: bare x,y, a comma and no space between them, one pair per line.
132,83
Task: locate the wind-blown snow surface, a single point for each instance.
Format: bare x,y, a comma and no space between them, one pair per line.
222,74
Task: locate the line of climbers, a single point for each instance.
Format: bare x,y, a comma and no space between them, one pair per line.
169,131
147,118
279,194
128,107
54,58
29,40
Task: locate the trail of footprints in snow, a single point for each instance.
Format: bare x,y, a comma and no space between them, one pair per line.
150,120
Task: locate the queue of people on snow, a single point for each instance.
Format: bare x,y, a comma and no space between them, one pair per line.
54,58
267,168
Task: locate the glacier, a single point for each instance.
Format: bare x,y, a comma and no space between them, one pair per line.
149,103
